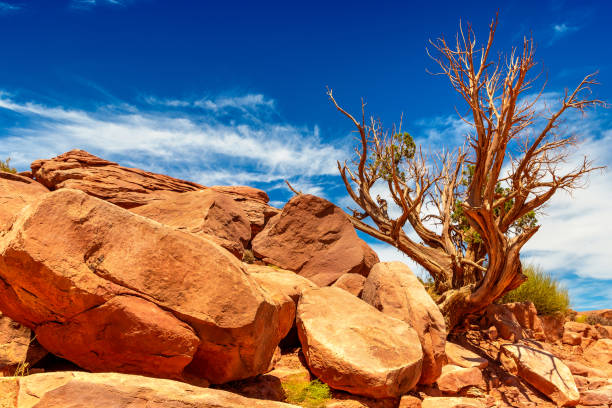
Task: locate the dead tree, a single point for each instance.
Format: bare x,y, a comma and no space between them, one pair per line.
473,208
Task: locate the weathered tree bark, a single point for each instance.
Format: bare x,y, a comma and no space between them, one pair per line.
471,218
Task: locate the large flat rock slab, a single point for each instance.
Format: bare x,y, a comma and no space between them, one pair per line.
106,390
454,378
123,186
353,347
452,402
459,355
543,370
254,202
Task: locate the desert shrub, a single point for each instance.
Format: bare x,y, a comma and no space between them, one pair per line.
596,319
580,319
309,394
248,256
6,166
542,290
429,285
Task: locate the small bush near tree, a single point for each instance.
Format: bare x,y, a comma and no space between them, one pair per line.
309,394
430,286
593,319
540,288
6,166
580,319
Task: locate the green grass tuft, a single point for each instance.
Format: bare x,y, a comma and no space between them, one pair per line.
6,166
309,394
581,319
548,296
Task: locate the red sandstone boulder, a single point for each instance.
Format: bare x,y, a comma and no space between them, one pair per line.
16,192
113,390
454,378
572,338
286,305
507,325
393,289
123,186
203,212
462,357
527,316
111,337
315,239
243,193
254,203
579,369
553,326
542,370
583,329
597,397
14,342
287,282
409,401
351,282
452,402
600,351
575,333
17,347
353,347
605,332
286,288
196,305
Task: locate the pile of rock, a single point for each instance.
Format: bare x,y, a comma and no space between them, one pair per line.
131,273
117,269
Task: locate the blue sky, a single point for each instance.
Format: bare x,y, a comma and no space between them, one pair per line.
234,93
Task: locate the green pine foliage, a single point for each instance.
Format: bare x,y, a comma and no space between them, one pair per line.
459,219
540,288
6,166
394,156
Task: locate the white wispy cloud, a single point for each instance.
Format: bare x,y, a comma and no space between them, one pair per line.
575,229
88,4
8,7
248,102
441,131
588,294
201,147
561,30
